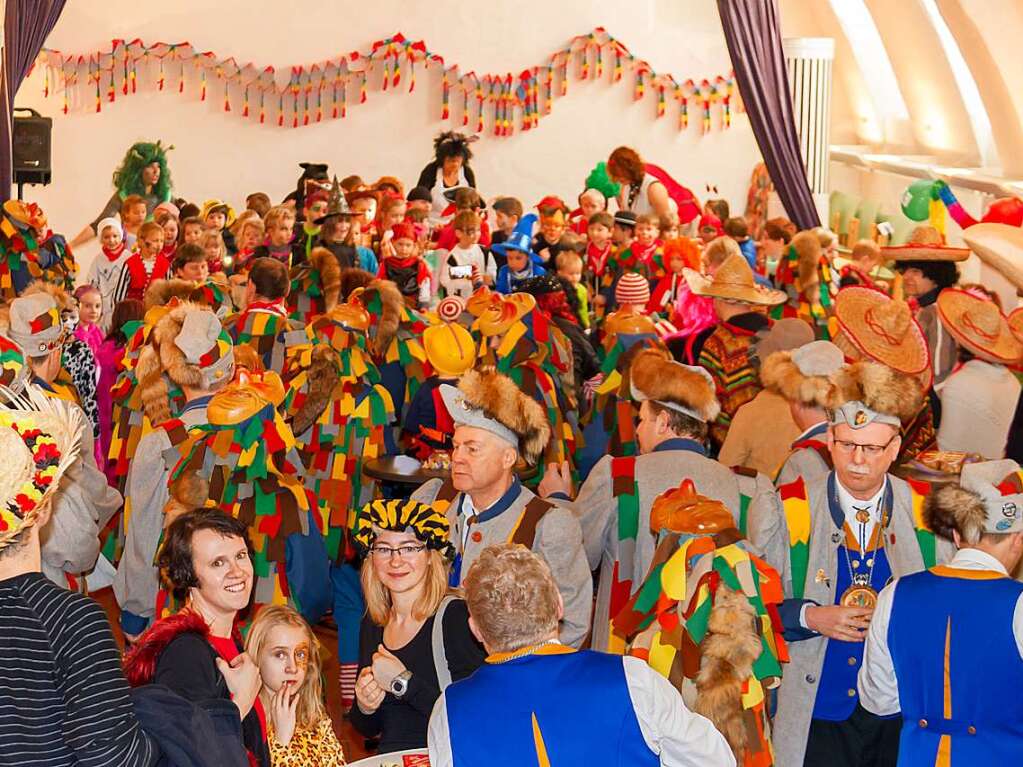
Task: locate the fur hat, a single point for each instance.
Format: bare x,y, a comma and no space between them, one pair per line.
190,346
988,499
865,392
325,263
682,388
384,327
491,401
352,278
214,293
803,375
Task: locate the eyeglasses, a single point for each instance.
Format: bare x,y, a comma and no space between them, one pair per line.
871,451
403,552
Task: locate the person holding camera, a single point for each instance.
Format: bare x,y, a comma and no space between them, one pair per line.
415,639
466,266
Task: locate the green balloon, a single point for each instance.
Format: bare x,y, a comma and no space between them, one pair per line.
916,200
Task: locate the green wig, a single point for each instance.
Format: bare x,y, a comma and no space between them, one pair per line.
128,176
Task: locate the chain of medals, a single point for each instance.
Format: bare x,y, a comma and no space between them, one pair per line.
634,192
861,592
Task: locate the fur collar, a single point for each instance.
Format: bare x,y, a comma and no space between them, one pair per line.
140,661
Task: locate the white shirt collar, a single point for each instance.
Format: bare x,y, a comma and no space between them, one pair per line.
975,559
850,505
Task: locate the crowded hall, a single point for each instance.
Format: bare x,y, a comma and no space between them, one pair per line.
539,385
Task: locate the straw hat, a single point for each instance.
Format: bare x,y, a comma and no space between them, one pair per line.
979,326
1016,322
733,281
1001,247
925,244
449,348
38,444
683,388
882,328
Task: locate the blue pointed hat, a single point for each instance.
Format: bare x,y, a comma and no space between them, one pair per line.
521,239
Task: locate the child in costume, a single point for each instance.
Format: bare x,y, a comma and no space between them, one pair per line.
646,248
570,268
405,267
705,617
248,235
521,262
591,202
217,216
450,349
669,227
105,271
145,265
465,255
736,229
553,223
133,216
279,228
507,212
314,206
287,652
191,230
464,200
679,255
212,244
191,263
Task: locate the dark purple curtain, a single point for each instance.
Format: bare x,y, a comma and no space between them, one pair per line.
26,26
753,35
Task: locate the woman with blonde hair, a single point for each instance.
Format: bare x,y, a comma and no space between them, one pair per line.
299,730
415,638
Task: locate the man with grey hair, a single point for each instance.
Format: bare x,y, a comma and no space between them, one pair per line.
836,542
189,348
945,646
546,703
496,425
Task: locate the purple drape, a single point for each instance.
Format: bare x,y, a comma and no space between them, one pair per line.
27,23
753,35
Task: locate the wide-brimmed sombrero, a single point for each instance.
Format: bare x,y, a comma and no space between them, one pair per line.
977,324
882,328
733,281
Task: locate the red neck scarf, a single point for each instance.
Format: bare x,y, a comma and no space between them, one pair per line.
113,255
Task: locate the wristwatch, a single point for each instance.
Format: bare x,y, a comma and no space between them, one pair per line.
399,685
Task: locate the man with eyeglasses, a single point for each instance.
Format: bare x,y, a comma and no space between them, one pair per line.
496,425
839,539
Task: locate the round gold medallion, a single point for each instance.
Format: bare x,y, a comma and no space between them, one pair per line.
859,596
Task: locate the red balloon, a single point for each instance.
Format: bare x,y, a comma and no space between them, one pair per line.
1008,210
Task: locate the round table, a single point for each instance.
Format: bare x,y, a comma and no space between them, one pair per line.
400,470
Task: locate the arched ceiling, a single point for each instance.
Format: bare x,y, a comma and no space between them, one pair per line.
985,34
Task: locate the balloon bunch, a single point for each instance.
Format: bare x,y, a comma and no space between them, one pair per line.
927,200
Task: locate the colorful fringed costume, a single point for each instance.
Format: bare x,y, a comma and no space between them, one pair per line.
339,411
30,251
244,462
806,275
706,617
315,286
266,327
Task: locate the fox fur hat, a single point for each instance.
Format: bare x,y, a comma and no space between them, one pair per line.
189,347
491,401
803,375
988,499
383,327
214,292
807,247
682,388
865,392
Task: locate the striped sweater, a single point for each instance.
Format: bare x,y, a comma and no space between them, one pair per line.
726,356
64,700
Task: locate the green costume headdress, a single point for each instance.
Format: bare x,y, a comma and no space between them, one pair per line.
128,176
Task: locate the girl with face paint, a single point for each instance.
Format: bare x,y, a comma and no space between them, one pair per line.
299,730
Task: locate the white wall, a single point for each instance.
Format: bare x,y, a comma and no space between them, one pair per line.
222,155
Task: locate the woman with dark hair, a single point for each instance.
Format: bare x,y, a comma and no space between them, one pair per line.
448,170
196,652
142,172
648,188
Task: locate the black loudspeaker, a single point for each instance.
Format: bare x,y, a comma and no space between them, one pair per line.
30,148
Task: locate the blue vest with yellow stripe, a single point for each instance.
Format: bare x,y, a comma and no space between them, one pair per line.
555,707
958,668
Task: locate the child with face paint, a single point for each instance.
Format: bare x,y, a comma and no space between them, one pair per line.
299,730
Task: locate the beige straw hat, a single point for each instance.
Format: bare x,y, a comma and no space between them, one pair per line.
39,440
978,325
733,281
882,328
1016,322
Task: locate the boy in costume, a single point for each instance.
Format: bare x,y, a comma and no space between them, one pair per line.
936,635
521,262
738,304
614,503
105,270
187,348
705,617
836,541
496,425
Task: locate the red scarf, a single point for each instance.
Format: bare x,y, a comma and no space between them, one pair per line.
644,253
596,259
113,255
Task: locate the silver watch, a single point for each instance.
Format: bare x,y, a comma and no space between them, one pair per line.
399,685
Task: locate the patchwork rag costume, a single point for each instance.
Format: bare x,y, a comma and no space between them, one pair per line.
30,251
491,401
614,503
936,635
315,286
807,277
706,618
834,549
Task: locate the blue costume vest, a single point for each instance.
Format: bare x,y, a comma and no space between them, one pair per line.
574,706
958,668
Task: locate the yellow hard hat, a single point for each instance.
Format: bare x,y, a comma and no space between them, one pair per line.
449,348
